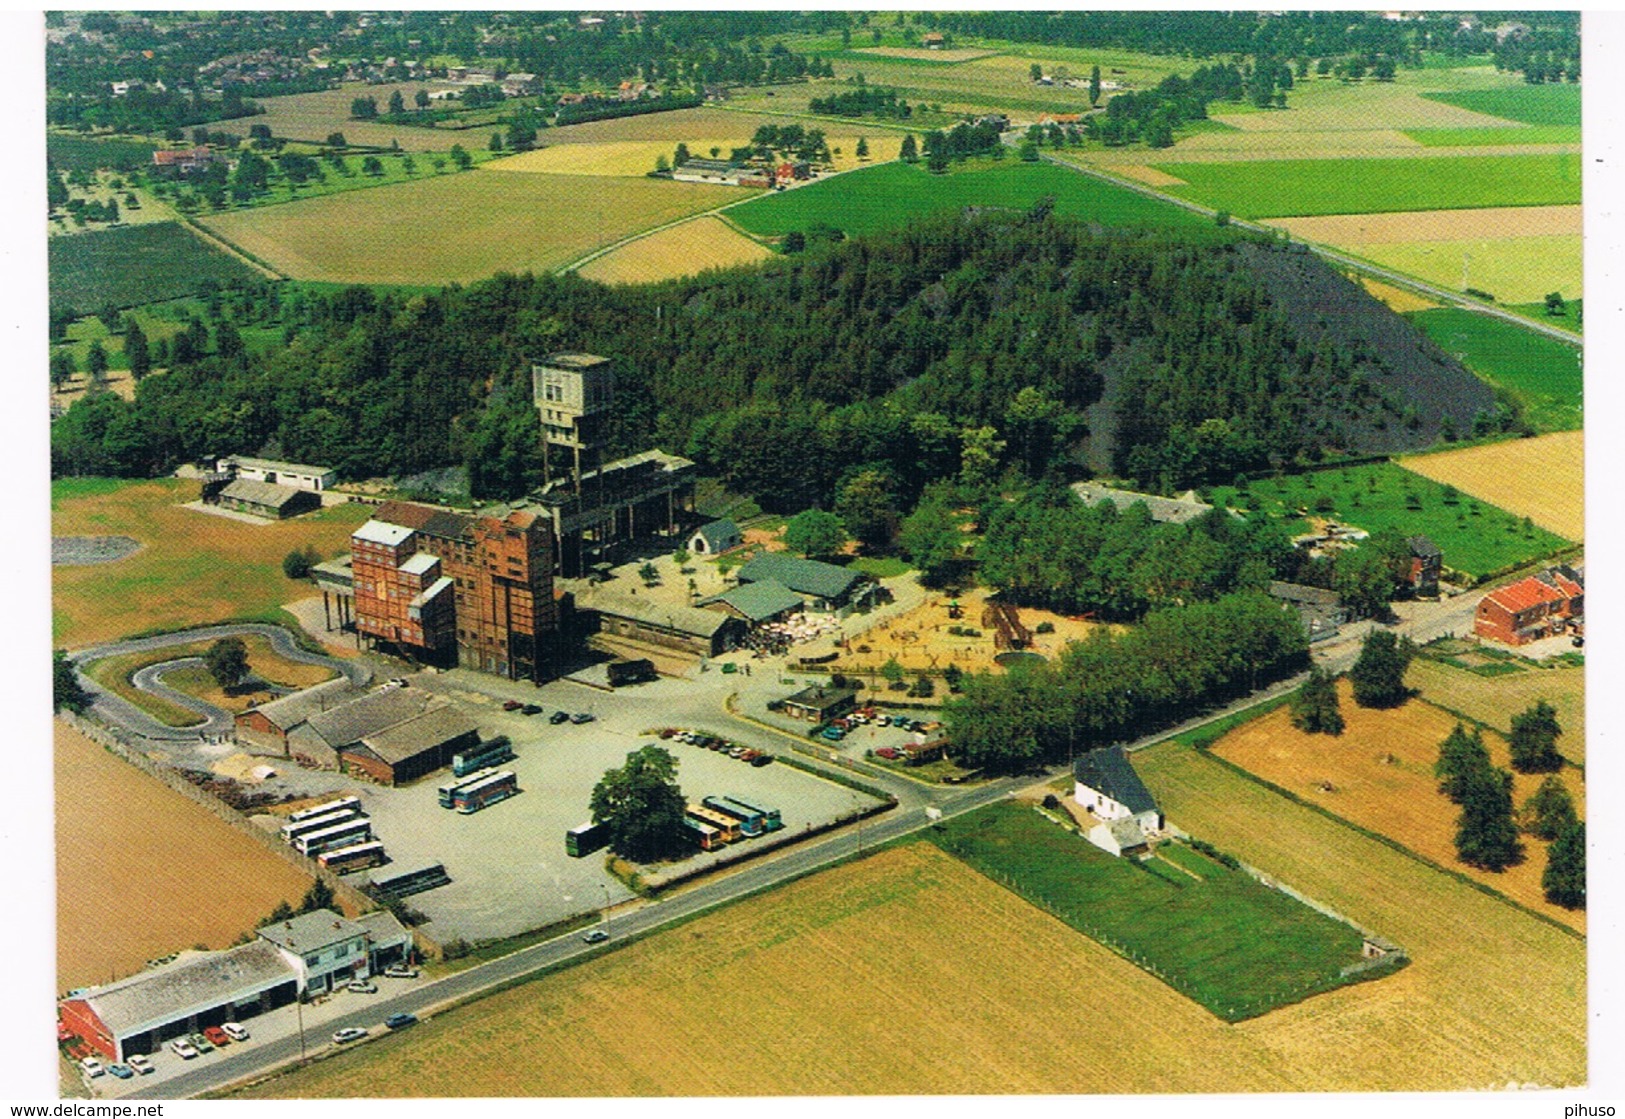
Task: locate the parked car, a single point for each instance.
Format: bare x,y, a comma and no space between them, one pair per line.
140,1063
668,732
596,936
217,1036
362,987
348,1034
401,1021
834,734
183,1049
235,1031
750,755
92,1066
532,709
200,1043
582,717
761,759
883,721
123,1072
736,751
887,752
401,971
511,705
558,717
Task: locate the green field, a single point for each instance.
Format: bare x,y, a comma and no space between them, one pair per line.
1526,104
893,194
1313,187
1477,538
1231,944
65,152
1543,372
1495,137
135,265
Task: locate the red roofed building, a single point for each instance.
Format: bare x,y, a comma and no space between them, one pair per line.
183,162
1532,608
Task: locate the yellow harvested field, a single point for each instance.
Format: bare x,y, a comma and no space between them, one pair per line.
1495,699
461,228
1513,269
683,250
636,158
958,54
1148,175
907,935
1492,999
1436,225
1379,774
728,125
1541,478
113,822
1397,300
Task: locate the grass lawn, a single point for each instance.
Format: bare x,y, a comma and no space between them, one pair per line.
1549,105
881,567
1542,372
194,568
1495,699
1295,187
134,265
890,195
1495,137
1228,942
1476,537
1572,318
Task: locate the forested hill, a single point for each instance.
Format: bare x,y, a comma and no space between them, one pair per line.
983,338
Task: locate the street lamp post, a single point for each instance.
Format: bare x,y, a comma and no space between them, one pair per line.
605,887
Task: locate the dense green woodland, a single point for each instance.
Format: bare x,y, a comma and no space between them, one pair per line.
900,351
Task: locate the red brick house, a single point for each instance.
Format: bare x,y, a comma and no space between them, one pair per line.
1532,608
1426,563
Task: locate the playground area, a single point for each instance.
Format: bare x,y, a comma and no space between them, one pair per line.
969,631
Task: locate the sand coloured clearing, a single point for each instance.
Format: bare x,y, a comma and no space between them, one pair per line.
636,158
1495,699
1145,174
682,250
1541,478
1397,300
1398,798
1436,225
141,871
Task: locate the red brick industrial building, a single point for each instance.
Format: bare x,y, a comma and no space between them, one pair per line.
1533,608
447,587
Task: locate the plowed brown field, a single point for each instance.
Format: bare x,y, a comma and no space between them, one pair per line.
141,871
1380,773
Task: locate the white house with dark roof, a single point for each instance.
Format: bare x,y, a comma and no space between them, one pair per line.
322,948
1106,785
715,538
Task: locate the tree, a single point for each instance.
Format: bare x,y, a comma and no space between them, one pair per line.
931,538
1035,72
795,241
409,165
1094,86
421,99
319,896
459,156
135,350
649,573
862,150
679,155
66,690
892,670
373,166
1028,151
227,661
1314,707
1549,812
1378,674
63,367
814,532
1564,879
297,563
364,108
867,507
641,805
909,151
96,364
397,103
1555,305
1459,755
337,140
1534,740
1486,836
937,162
661,166
496,141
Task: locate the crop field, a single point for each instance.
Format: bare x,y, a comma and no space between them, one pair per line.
1379,774
460,228
1550,105
193,568
1542,372
1542,478
1456,1017
1233,945
889,196
1408,227
1309,187
1477,538
1495,699
313,116
134,265
683,250
106,928
66,151
1513,269
1525,136
724,127
1397,300
925,54
265,665
636,158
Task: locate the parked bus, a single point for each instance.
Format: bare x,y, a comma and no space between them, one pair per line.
483,756
448,791
771,820
340,835
708,837
584,839
291,832
486,791
725,824
750,822
408,882
359,856
338,805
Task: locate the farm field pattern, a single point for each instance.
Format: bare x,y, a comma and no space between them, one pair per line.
1541,478
157,834
1398,798
1495,699
682,250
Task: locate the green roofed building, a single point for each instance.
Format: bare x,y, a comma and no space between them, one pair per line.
766,601
824,587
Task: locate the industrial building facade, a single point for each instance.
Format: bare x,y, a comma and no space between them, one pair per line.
449,587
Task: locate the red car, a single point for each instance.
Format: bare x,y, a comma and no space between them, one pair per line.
512,705
217,1037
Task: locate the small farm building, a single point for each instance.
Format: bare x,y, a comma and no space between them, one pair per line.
825,587
1320,610
819,704
264,729
410,749
301,476
267,499
715,538
1105,783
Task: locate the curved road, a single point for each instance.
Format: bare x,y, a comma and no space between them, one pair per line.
111,708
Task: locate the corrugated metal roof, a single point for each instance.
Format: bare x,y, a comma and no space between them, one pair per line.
279,467
261,493
761,601
368,714
291,710
414,736
188,986
381,532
